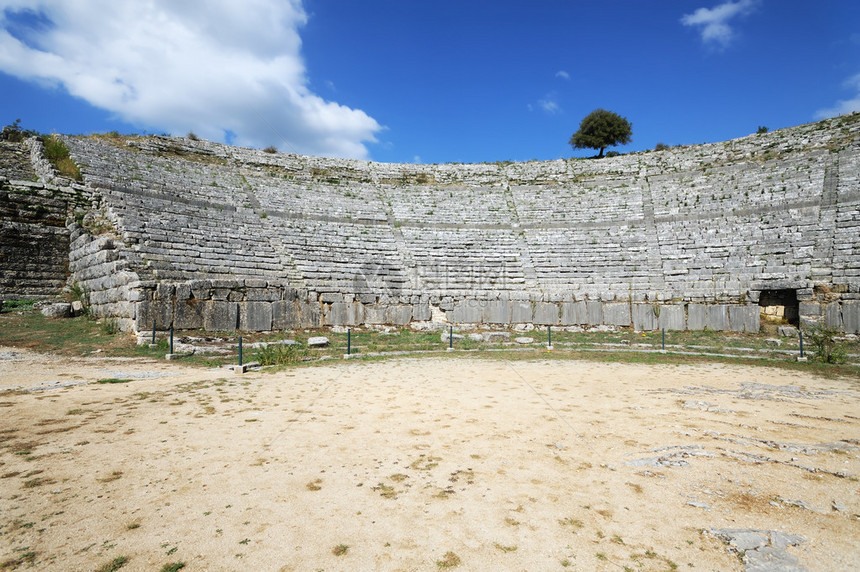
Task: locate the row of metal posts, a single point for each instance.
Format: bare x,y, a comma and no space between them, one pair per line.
450,340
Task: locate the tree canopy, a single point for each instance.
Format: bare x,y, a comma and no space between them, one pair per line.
601,129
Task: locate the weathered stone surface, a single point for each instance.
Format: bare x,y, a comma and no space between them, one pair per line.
524,340
573,313
545,314
616,314
697,317
189,314
375,313
255,316
310,312
645,317
467,312
594,311
497,312
787,331
399,315
159,312
833,315
521,312
318,342
285,315
497,336
344,314
851,316
220,316
58,310
718,318
421,312
672,317
744,318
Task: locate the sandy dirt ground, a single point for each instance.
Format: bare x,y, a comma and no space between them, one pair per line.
424,464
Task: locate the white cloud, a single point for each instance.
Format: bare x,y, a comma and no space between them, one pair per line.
714,22
547,104
204,66
845,105
562,74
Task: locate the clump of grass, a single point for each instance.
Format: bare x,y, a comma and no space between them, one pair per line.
113,380
340,549
173,567
280,354
398,477
385,491
504,548
270,149
314,485
112,477
574,522
113,565
58,154
449,560
132,525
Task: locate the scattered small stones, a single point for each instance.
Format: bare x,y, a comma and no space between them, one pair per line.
698,504
674,456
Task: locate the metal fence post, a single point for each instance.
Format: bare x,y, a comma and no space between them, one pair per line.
240,351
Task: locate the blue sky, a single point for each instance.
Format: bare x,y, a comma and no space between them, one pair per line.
427,81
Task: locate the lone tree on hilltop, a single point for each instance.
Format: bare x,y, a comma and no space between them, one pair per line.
600,129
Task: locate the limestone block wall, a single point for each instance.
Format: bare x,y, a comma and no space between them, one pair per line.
687,237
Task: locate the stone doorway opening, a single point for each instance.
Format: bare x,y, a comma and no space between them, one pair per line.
779,306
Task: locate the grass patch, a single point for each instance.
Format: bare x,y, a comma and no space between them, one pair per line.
113,565
173,567
58,154
113,380
449,560
314,485
340,550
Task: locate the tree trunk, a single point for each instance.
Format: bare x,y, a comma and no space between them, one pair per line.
599,155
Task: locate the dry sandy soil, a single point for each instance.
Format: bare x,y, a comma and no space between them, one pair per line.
423,464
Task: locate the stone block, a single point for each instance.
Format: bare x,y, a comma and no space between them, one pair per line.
521,312
851,316
399,315
343,314
188,314
497,312
744,318
220,316
311,316
159,311
467,312
812,309
546,314
285,315
718,318
833,315
645,317
375,313
255,316
616,314
697,316
672,317
573,313
594,313
421,312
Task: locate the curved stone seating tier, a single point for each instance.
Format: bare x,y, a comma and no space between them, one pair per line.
451,204
344,240
464,259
